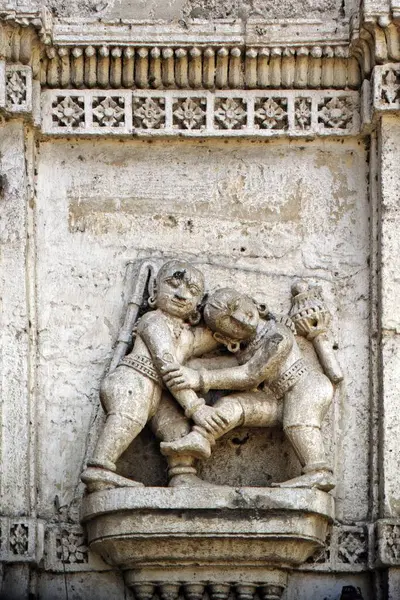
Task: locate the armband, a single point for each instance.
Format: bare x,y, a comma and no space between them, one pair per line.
204,386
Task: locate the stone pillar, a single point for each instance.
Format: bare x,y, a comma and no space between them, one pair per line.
15,448
387,112
390,312
20,533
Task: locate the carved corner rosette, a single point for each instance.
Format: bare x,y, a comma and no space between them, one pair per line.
348,548
388,542
66,550
15,89
21,540
386,87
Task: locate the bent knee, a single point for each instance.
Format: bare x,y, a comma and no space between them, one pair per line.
308,404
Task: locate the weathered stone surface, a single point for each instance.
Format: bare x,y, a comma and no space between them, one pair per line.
196,9
15,333
289,197
116,202
390,315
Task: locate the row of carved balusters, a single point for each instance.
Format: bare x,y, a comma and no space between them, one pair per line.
116,67
211,591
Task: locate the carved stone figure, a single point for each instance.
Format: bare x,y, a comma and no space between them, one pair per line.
269,360
133,393
272,383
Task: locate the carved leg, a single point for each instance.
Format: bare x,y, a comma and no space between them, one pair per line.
198,442
168,424
308,444
128,397
118,433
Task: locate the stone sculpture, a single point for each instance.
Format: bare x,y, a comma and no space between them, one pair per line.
133,393
157,381
269,357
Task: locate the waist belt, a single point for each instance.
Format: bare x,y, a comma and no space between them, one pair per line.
289,378
143,365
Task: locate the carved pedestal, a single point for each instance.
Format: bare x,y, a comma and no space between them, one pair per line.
207,536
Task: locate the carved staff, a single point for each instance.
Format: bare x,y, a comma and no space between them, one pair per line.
312,319
145,275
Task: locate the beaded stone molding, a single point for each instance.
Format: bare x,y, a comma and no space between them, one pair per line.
200,68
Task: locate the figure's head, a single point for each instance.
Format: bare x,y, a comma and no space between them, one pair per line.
233,317
178,290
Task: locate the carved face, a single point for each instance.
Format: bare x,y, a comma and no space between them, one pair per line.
232,315
180,288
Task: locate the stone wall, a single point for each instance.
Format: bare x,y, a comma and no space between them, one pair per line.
260,142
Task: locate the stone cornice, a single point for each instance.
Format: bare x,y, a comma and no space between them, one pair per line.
253,33
125,68
40,20
303,53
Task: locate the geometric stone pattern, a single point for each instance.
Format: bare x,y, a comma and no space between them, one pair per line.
18,89
387,87
259,113
21,539
388,542
347,548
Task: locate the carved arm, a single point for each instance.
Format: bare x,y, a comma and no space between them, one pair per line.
155,333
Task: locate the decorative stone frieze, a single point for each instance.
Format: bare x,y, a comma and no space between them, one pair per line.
216,589
347,548
239,113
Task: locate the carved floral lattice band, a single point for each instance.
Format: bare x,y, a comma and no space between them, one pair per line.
289,378
143,365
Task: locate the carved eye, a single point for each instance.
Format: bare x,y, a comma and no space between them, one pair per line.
173,282
234,305
194,290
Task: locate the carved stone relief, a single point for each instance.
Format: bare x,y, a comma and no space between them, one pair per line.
240,113
211,69
153,382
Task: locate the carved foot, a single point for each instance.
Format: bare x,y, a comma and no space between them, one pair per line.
190,480
322,480
97,479
193,444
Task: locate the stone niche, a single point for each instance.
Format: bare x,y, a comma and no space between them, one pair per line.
254,215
